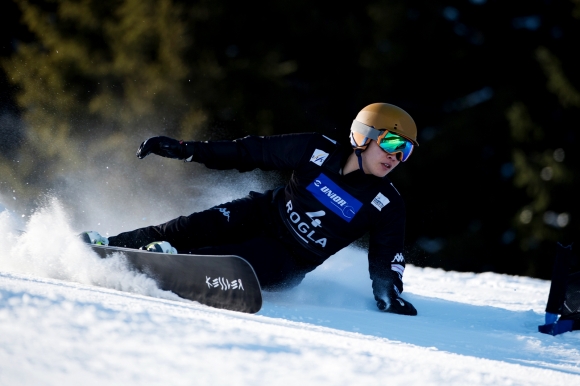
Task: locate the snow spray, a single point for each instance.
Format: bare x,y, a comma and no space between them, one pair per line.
50,248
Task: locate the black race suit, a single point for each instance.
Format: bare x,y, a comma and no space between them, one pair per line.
287,232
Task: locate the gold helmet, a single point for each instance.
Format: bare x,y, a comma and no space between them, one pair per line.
375,118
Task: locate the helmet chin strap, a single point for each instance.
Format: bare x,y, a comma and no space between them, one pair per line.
359,157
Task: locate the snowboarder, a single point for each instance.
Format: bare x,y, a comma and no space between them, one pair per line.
336,194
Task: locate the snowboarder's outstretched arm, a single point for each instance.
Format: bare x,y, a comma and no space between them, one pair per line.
277,152
387,263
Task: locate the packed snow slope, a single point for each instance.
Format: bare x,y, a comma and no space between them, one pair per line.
69,318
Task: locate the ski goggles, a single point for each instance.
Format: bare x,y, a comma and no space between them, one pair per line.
395,144
388,141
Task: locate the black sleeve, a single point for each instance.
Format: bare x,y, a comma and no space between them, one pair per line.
386,259
277,152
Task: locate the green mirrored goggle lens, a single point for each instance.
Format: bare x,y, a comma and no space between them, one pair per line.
393,143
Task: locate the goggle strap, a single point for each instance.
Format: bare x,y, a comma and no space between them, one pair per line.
367,131
354,143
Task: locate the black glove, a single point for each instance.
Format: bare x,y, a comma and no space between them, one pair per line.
398,306
165,147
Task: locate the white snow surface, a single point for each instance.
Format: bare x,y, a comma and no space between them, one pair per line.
68,317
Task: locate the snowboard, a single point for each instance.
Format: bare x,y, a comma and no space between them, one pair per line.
222,281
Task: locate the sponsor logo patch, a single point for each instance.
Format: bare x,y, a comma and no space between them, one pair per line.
318,157
380,201
334,198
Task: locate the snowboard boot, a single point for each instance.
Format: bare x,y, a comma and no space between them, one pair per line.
92,237
161,247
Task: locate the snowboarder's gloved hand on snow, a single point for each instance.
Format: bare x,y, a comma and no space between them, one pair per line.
397,305
166,147
388,297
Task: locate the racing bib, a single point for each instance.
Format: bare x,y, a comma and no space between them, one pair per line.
334,197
